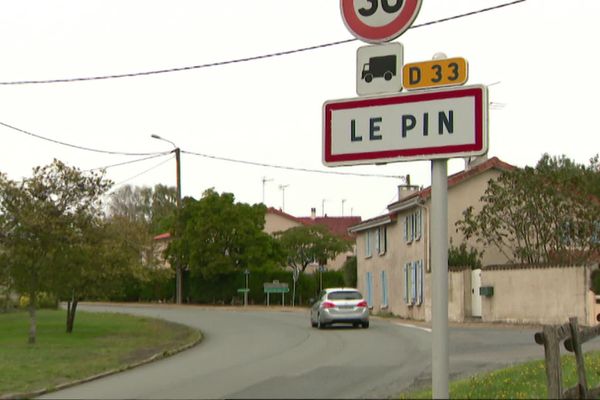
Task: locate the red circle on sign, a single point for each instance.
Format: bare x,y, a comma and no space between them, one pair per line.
384,33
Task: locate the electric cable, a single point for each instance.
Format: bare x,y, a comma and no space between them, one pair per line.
318,171
143,172
123,163
80,147
246,59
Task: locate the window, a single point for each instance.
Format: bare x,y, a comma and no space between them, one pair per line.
419,283
368,244
377,241
418,218
345,295
384,289
413,283
413,223
407,283
382,240
370,289
408,228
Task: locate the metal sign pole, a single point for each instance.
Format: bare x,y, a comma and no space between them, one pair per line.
439,286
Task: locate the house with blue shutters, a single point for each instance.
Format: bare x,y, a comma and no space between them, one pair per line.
394,250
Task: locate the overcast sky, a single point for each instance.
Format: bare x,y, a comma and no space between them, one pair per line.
540,57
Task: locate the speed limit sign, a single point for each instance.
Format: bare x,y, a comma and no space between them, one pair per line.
377,21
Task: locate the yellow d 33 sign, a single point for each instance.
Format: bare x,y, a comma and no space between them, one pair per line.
436,73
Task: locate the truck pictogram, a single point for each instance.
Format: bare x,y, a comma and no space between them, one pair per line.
379,67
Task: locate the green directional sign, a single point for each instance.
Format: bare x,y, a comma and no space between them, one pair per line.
277,290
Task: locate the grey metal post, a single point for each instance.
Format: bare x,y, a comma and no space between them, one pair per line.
439,286
178,267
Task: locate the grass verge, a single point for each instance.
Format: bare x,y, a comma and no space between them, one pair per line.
100,342
522,381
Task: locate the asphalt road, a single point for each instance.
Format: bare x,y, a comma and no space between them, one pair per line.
276,354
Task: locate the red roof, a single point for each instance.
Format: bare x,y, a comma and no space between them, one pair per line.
336,225
462,176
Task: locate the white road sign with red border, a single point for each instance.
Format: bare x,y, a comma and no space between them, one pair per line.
377,21
425,125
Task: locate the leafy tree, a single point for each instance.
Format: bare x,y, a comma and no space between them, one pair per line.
110,252
350,272
45,220
538,215
152,207
215,235
306,244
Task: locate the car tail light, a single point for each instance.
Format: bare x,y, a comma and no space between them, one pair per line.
328,304
362,304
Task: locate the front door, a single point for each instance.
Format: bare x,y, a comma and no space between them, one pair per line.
475,296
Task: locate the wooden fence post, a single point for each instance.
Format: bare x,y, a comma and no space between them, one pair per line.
576,343
552,360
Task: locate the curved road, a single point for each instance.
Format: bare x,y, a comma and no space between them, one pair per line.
276,354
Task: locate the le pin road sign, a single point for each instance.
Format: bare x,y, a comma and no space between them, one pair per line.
423,125
435,73
378,21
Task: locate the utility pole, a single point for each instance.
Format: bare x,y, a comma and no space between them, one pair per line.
343,201
323,207
282,188
178,269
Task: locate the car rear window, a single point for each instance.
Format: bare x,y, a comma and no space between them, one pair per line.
347,295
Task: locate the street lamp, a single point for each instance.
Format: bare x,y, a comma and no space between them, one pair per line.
177,151
246,273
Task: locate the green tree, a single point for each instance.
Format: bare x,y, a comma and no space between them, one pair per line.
153,207
306,244
350,272
45,220
539,215
215,236
462,257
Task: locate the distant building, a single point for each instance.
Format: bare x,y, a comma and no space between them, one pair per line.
277,221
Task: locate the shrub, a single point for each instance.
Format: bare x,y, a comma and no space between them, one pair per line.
44,300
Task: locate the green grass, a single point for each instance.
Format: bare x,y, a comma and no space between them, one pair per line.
522,381
100,342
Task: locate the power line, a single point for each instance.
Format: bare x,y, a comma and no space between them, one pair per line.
317,171
159,154
143,172
77,146
246,59
125,163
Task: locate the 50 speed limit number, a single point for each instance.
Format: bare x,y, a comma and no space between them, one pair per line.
377,21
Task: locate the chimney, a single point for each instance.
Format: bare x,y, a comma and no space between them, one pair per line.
406,190
313,213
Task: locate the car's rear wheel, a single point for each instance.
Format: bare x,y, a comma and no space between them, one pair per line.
365,324
320,324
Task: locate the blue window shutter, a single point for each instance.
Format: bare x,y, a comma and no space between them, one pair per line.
406,283
384,292
420,282
414,283
369,289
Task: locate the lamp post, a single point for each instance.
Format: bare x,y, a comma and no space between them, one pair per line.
247,273
177,151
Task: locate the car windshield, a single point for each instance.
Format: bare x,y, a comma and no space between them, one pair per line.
346,295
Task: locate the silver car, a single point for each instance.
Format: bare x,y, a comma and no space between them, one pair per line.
339,305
